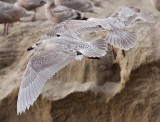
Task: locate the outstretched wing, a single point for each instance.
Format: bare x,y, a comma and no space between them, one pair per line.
128,15
40,68
73,27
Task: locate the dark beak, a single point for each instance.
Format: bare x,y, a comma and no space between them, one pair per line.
42,2
30,48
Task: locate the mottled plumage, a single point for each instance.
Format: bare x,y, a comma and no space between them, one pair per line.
80,5
30,5
59,13
10,13
128,15
49,57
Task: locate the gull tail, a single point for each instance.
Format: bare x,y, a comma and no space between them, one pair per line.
96,9
122,39
95,48
146,17
30,13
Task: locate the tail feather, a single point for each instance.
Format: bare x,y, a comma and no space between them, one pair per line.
146,17
30,13
95,48
122,39
96,9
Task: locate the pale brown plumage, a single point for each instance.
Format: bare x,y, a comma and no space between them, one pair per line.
80,5
58,13
30,5
10,13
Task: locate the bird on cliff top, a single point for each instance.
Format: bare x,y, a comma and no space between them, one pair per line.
59,13
156,4
124,16
50,56
10,13
30,5
80,5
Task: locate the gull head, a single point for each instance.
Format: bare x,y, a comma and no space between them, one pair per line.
36,46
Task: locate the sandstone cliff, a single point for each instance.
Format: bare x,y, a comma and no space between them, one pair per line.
125,90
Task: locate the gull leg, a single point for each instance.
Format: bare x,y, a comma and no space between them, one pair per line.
123,53
7,27
114,53
4,30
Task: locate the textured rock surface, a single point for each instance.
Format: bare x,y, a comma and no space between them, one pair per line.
125,90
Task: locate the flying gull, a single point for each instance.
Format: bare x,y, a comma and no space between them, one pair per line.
50,56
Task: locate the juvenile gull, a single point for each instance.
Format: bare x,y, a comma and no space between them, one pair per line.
30,5
59,13
10,13
80,5
156,4
49,57
124,16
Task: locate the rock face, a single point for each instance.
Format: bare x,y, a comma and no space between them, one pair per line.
125,90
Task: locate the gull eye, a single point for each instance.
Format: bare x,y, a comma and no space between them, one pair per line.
37,44
58,35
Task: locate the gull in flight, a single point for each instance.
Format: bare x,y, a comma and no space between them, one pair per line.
50,56
30,5
112,25
124,16
80,5
59,13
10,13
156,4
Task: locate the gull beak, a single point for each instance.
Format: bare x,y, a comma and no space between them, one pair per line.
42,2
30,48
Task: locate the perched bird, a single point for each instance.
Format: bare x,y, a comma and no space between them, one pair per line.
58,13
30,5
50,56
80,5
156,4
10,13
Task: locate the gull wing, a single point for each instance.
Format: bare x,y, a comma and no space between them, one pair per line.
128,15
74,27
40,68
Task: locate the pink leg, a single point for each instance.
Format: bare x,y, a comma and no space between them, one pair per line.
114,53
7,27
4,30
123,53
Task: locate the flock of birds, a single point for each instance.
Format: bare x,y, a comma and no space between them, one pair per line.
62,45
